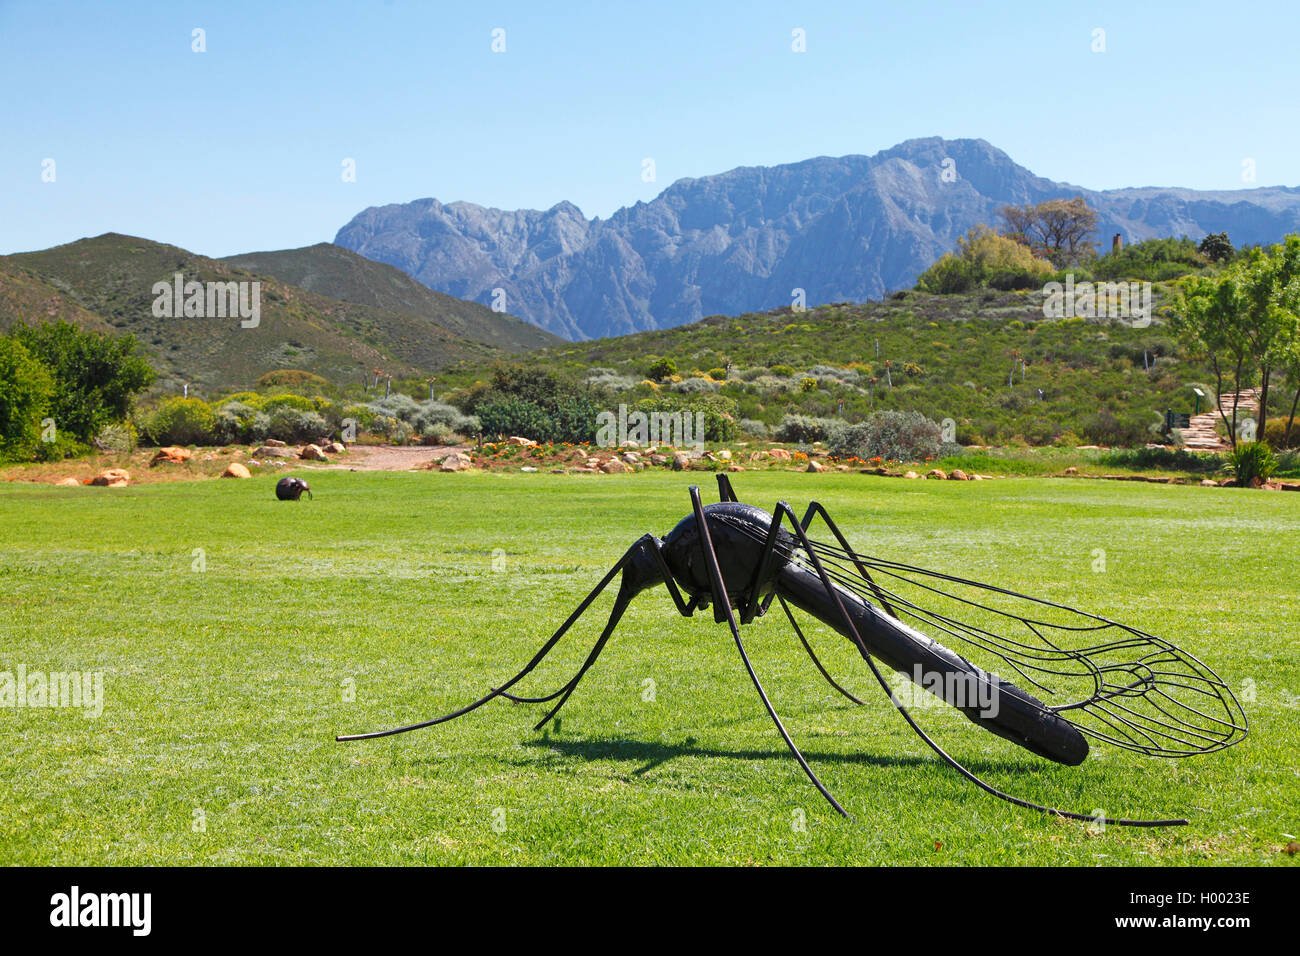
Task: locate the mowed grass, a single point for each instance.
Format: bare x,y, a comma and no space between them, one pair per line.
415,592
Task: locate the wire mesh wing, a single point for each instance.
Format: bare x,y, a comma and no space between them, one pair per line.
1115,683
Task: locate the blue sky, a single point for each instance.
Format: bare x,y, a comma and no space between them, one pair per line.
241,147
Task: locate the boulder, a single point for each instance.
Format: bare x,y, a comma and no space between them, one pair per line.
456,461
780,454
111,478
273,451
659,460
911,474
1209,483
724,454
958,475
68,483
313,453
172,454
681,461
274,443
735,468
521,442
236,470
615,467
815,466
630,457
1072,470
936,473
336,448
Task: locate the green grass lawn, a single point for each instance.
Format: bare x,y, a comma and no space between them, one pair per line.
224,687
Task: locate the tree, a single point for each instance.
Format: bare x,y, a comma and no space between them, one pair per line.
1207,313
25,389
983,257
1270,295
96,377
1216,247
1058,226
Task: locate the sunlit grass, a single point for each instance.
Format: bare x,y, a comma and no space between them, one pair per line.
232,630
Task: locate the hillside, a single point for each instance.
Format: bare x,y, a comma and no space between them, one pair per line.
339,273
947,356
840,228
106,283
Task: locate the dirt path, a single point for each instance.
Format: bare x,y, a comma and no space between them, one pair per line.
391,457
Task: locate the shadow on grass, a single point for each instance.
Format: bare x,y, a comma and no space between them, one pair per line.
653,754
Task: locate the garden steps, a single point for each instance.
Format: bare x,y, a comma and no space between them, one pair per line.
1200,435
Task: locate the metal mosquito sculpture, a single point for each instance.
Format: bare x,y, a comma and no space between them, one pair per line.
1098,679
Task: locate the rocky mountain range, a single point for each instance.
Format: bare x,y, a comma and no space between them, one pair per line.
841,229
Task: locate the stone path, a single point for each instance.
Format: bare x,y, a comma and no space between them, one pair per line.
1201,434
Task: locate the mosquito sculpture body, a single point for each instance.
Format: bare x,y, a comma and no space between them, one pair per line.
1106,681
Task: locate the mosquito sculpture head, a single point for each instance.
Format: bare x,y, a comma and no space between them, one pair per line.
1078,677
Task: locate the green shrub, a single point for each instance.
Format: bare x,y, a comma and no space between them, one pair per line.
294,425
447,418
695,386
515,416
237,422
26,387
1276,435
182,421
664,368
117,437
804,429
1252,462
1106,428
299,403
894,436
96,377
718,374
718,411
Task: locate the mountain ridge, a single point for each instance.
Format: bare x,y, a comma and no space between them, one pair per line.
841,228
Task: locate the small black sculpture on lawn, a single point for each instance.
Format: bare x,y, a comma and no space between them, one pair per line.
291,489
1111,682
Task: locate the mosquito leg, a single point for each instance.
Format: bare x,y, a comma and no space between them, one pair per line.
784,509
620,605
815,508
722,611
808,647
537,659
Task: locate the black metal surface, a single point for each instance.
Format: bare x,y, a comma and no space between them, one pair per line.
291,489
1132,689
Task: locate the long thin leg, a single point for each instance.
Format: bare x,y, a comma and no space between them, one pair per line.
722,611
815,508
620,605
685,608
784,509
498,691
808,647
